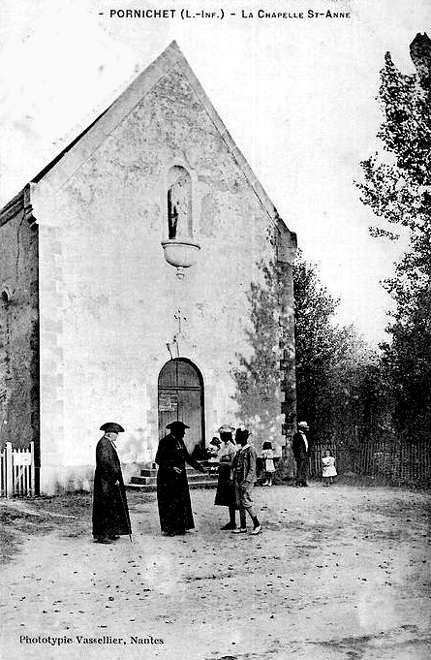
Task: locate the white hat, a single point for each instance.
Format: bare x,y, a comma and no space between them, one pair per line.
303,425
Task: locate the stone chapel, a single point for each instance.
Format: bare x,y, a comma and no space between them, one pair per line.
135,274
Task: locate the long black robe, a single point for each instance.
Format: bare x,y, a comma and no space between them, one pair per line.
110,510
301,457
173,497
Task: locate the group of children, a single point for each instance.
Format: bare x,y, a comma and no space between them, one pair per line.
328,462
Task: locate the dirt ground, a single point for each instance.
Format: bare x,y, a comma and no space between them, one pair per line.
338,572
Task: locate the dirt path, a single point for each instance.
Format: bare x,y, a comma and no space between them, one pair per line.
337,573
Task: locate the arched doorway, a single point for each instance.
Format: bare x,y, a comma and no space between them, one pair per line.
181,397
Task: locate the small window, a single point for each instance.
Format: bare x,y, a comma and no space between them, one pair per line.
180,225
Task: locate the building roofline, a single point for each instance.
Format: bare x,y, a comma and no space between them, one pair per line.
71,158
12,208
22,202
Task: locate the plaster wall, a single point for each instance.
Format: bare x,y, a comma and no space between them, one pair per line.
109,299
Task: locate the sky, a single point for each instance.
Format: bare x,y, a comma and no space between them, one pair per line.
297,95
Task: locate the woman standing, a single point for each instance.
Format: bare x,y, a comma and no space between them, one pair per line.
173,495
225,495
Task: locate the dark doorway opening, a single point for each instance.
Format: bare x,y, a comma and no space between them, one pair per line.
181,397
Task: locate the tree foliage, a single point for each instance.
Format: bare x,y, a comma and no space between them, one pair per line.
397,187
316,340
337,375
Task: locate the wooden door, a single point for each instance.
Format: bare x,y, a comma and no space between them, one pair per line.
181,397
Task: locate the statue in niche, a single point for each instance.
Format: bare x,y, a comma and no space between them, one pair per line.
179,204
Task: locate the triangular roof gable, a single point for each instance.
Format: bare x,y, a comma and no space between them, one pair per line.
80,149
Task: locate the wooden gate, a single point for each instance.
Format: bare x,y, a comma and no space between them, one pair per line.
181,397
17,473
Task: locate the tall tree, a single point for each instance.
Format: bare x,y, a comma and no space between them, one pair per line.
333,366
397,186
315,339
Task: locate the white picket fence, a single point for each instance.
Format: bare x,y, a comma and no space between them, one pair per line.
17,473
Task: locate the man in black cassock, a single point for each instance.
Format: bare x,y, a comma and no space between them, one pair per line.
173,495
110,511
300,448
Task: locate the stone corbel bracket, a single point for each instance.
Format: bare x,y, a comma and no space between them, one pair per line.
28,203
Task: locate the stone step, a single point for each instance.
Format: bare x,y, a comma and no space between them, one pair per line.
147,481
150,488
142,489
152,472
143,481
190,478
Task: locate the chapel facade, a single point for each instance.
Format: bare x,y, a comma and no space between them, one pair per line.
135,276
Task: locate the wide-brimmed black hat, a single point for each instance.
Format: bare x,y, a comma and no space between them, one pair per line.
111,427
177,425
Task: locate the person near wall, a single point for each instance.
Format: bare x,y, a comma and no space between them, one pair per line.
300,448
244,476
173,496
225,495
110,510
268,457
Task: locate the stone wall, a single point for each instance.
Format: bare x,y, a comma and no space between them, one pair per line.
286,248
19,325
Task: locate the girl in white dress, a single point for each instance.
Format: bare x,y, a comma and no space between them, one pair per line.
328,468
268,456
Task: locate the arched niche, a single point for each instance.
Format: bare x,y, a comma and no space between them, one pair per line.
179,204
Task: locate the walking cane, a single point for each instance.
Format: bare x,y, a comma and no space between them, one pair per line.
126,514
